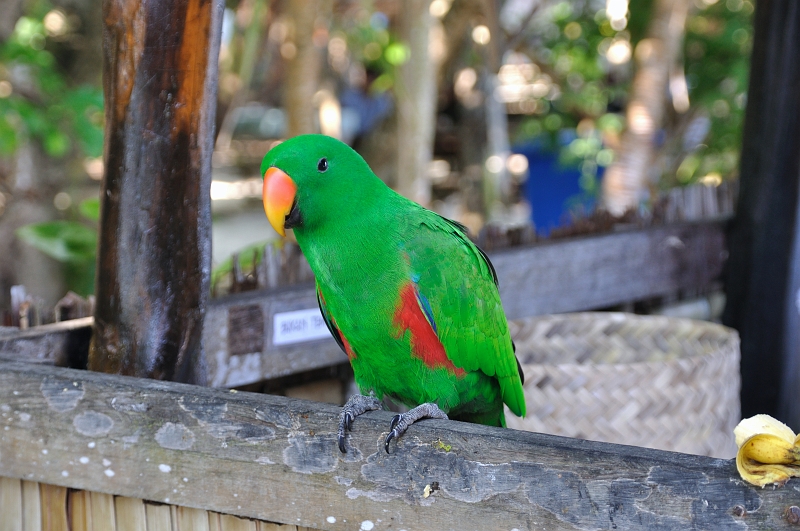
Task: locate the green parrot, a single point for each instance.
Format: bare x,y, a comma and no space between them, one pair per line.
406,294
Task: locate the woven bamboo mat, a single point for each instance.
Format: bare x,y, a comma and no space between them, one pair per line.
31,506
652,381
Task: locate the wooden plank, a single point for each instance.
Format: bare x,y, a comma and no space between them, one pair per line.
158,517
276,459
80,510
31,507
10,504
103,516
229,522
601,271
270,526
130,514
53,344
91,511
214,521
189,519
54,506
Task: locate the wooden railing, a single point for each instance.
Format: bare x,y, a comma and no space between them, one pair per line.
276,459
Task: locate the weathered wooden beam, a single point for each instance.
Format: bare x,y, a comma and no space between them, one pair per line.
277,459
595,272
154,256
65,344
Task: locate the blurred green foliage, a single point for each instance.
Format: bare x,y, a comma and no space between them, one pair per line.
590,94
39,104
717,62
37,101
376,47
72,243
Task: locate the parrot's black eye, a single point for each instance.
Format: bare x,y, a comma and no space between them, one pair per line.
322,165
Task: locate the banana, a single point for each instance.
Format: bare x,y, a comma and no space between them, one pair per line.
769,451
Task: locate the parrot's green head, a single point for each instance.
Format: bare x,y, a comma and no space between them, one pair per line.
311,180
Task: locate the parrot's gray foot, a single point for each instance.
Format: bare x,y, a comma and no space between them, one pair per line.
400,423
355,406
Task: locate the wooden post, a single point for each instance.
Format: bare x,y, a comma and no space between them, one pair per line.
763,279
160,81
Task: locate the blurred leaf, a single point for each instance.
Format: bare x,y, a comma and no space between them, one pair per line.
397,53
90,208
66,241
8,137
56,143
80,277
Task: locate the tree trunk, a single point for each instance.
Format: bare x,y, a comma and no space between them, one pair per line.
763,278
302,70
416,93
160,81
626,180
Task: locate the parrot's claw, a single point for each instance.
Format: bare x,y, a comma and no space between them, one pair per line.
355,406
400,423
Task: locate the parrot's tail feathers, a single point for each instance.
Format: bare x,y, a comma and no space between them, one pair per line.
513,395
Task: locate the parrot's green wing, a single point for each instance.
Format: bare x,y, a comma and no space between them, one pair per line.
457,280
331,324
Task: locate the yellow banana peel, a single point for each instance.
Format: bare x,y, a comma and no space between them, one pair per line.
769,451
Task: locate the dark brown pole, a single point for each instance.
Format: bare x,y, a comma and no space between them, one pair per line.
763,279
160,81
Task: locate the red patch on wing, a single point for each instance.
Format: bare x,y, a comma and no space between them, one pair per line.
425,344
347,348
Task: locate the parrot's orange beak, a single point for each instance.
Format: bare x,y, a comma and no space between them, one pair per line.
279,194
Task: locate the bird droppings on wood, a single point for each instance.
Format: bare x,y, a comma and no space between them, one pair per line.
93,424
62,395
174,437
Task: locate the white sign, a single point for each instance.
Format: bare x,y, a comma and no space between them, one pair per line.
299,326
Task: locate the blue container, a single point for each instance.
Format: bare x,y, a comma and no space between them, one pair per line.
552,189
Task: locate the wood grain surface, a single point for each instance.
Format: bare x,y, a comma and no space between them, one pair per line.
276,459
